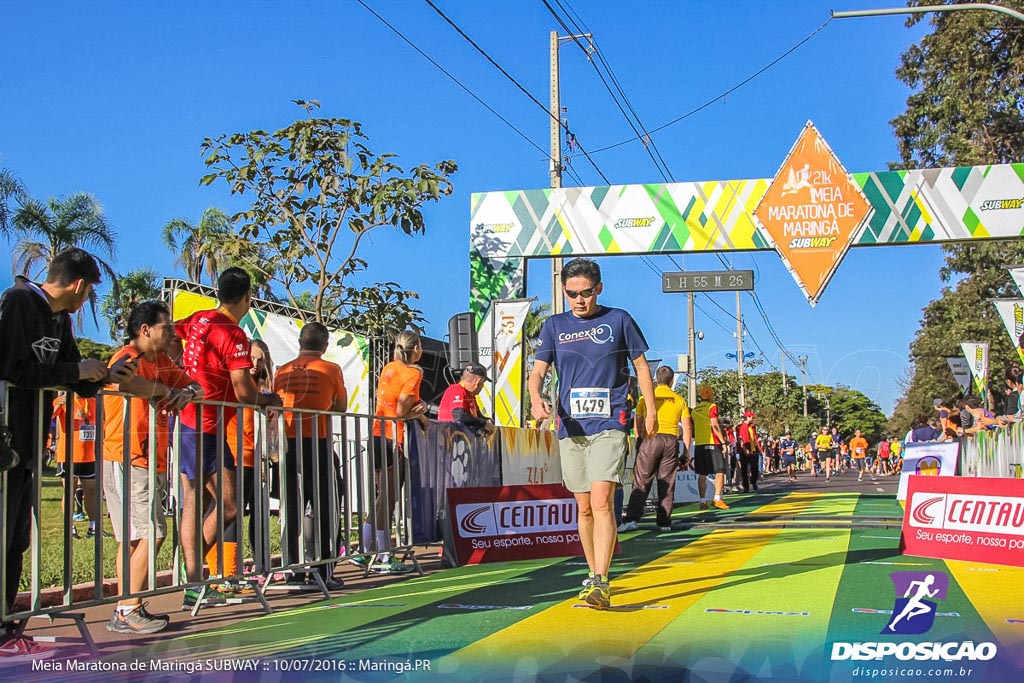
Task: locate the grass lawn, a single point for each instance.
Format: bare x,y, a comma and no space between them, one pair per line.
83,550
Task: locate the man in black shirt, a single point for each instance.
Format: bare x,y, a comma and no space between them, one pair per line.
38,350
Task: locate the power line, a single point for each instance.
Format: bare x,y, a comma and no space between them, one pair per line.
456,81
724,94
618,86
522,88
665,174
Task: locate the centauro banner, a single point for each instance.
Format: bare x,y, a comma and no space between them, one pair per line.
1011,311
812,211
976,354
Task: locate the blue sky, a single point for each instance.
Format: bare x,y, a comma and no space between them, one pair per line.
114,98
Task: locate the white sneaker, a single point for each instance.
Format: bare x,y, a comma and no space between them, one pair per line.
628,526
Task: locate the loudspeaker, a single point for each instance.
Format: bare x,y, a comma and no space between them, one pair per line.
462,341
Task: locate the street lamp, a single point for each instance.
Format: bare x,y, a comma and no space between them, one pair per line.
1019,16
748,354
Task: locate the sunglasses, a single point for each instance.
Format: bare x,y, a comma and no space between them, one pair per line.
585,293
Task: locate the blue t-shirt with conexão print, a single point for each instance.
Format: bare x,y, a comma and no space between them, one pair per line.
591,358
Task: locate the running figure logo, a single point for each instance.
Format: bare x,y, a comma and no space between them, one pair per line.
914,612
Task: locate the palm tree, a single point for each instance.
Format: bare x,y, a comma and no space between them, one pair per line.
141,284
198,246
47,229
10,188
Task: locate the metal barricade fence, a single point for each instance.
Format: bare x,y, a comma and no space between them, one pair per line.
993,453
326,472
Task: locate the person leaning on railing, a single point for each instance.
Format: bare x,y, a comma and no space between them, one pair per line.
310,382
150,334
38,350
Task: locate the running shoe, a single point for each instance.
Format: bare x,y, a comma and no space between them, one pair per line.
392,567
78,517
586,584
703,506
628,525
720,504
664,527
359,561
598,594
211,597
334,584
24,649
136,621
236,589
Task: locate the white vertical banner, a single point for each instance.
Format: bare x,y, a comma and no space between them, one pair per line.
1017,273
1011,311
961,372
504,360
976,354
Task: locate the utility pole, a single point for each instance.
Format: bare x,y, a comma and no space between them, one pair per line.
739,354
785,384
555,171
692,351
557,302
803,371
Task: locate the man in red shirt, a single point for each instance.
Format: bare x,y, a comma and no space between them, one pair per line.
216,356
749,448
459,401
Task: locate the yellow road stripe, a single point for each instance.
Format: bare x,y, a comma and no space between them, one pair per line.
995,597
644,601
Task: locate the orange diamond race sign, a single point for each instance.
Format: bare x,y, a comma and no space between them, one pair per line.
812,211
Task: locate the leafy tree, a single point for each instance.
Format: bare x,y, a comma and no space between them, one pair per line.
93,349
967,78
853,410
317,191
10,188
778,410
961,313
141,284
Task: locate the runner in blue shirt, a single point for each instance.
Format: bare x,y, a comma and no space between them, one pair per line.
591,346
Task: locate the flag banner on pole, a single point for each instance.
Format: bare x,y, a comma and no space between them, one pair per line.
1017,273
961,372
976,354
1011,311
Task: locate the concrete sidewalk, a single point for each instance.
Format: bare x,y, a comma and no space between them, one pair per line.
69,640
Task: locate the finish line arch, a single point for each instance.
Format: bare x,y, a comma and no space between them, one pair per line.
509,228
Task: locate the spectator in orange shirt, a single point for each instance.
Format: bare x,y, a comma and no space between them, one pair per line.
398,396
150,332
311,382
83,453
